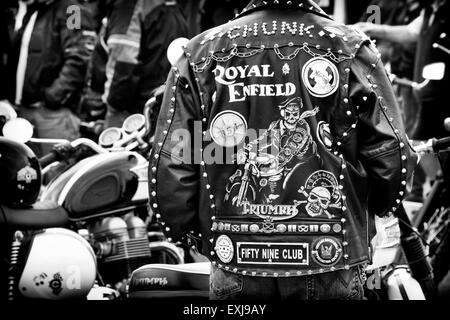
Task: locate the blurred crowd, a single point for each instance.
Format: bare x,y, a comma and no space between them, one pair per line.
67,61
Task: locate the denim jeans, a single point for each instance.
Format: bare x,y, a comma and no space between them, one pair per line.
338,285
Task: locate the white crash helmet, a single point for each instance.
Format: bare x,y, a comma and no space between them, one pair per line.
60,265
402,286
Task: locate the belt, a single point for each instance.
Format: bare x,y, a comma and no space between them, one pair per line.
267,248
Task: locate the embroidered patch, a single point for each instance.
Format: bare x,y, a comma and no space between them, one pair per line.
322,193
268,211
320,77
228,129
326,251
274,157
27,174
324,134
273,253
224,249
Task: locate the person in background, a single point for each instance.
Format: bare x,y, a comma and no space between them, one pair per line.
434,105
7,11
192,12
47,66
96,10
423,31
215,13
399,59
136,38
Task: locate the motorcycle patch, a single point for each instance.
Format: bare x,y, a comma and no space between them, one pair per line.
321,77
322,194
326,251
224,249
270,161
267,211
27,174
273,253
228,129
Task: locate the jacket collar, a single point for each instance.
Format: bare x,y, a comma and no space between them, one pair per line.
305,5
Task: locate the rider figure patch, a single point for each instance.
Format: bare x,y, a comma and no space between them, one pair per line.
273,158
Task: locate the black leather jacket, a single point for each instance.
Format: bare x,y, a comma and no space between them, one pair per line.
302,144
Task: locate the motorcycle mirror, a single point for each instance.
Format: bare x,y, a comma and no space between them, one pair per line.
175,50
447,124
434,71
19,130
133,123
109,136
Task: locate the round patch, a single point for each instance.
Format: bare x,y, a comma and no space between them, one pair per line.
325,228
297,138
327,251
324,179
228,129
224,249
263,182
321,77
254,228
324,134
281,228
337,228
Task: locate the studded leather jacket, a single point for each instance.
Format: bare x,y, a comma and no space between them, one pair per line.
278,141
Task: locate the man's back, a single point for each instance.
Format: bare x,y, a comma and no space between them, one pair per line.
299,125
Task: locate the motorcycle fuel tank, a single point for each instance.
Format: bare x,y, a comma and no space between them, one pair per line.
96,184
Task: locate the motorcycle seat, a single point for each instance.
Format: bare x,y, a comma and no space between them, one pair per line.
166,281
44,214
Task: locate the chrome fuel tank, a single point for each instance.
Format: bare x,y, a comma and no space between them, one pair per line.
104,182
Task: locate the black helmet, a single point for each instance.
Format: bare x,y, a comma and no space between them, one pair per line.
20,174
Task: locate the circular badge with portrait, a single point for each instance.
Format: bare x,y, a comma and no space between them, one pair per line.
228,129
321,77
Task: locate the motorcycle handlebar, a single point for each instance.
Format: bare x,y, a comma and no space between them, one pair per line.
433,146
48,159
404,82
89,143
441,144
63,151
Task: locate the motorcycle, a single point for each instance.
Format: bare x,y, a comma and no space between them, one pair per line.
39,258
105,193
432,220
